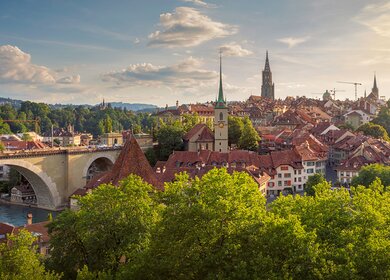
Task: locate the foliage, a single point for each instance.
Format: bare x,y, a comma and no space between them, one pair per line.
236,126
19,259
374,130
112,225
2,147
170,138
369,173
203,225
312,181
26,137
347,126
151,156
383,117
94,120
249,139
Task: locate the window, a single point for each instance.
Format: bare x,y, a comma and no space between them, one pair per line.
287,183
279,175
279,183
310,171
284,168
310,163
287,175
221,116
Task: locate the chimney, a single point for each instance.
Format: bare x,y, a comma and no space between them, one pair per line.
29,218
177,104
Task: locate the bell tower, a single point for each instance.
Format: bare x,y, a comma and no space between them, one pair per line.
220,117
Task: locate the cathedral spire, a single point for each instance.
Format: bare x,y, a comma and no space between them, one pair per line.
375,86
267,67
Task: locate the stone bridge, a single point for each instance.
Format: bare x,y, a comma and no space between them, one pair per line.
56,174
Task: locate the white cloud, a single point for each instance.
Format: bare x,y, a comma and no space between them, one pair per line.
136,41
182,75
376,17
75,79
187,27
234,49
292,42
16,67
200,3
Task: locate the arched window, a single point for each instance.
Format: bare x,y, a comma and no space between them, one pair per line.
221,116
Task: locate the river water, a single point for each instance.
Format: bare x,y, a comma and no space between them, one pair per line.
17,215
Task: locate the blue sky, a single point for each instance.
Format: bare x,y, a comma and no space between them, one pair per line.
162,51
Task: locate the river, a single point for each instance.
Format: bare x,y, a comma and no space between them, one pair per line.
16,214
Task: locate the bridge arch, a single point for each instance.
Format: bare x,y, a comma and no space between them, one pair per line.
45,189
106,162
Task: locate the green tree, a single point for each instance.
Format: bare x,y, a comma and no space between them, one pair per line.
170,138
369,173
249,139
26,137
236,126
151,156
19,259
205,229
374,130
312,181
108,124
2,147
112,225
4,128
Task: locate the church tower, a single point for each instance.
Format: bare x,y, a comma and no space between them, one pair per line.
220,117
267,88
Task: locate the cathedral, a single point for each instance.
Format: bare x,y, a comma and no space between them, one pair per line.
268,87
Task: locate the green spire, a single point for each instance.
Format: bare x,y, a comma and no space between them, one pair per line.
220,100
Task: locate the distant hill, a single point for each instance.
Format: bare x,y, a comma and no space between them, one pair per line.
129,106
134,106
15,103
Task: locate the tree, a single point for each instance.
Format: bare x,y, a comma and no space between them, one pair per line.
19,259
374,130
369,173
112,225
4,128
249,139
205,228
170,138
312,181
383,118
236,126
151,156
26,137
2,147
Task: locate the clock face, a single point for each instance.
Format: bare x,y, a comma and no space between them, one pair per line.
221,125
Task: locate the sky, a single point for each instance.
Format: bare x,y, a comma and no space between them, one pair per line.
160,51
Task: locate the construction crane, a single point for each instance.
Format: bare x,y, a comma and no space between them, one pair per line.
352,83
26,121
334,92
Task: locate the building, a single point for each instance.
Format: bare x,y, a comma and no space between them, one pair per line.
111,139
357,118
200,137
267,87
221,118
64,137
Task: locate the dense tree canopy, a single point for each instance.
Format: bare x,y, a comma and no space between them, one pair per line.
249,139
312,181
112,226
94,120
383,117
170,138
236,126
374,130
369,173
19,259
219,227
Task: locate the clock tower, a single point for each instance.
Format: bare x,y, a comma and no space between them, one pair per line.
220,117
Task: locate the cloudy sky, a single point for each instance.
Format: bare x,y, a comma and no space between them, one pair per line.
156,51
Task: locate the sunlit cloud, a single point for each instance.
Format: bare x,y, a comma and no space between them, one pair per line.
234,49
376,17
293,41
187,27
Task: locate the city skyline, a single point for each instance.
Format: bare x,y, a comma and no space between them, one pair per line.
128,51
